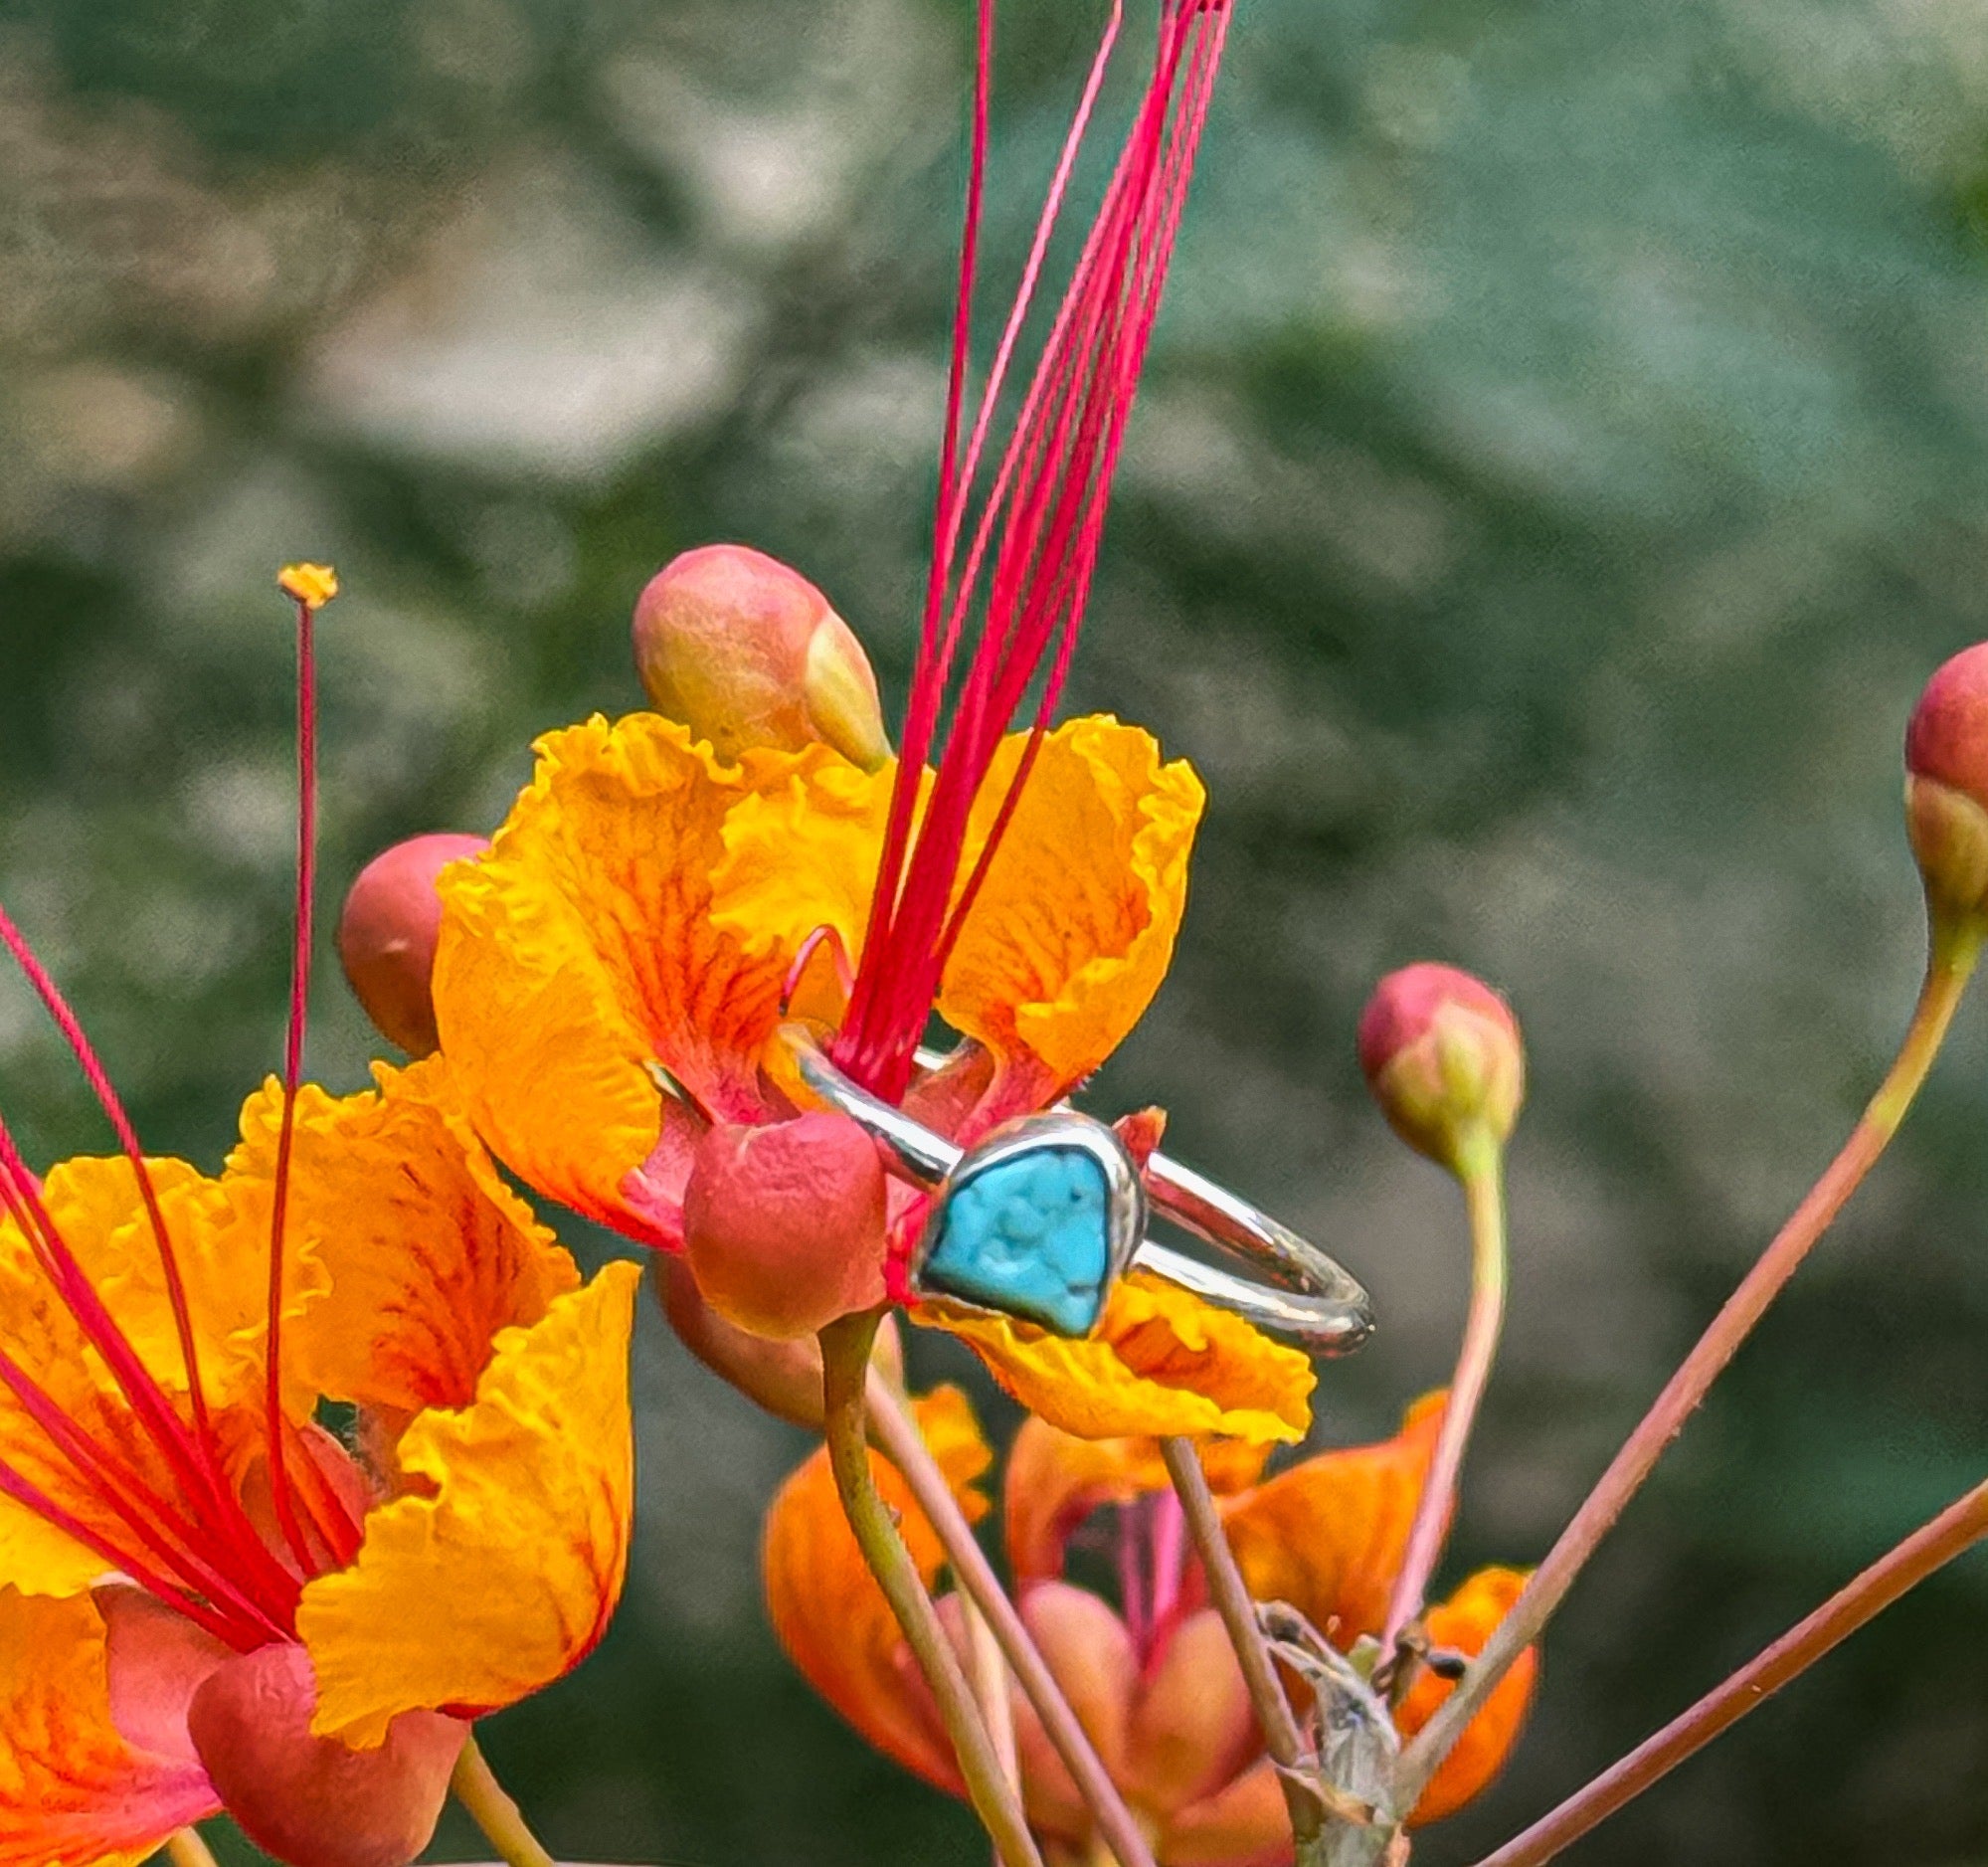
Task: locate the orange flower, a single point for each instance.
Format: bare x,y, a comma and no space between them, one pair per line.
1151,1677
610,982
176,1583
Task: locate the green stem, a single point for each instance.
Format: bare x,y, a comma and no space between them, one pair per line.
187,1849
1955,947
492,1808
904,1444
1956,1529
1480,1171
846,1362
1227,1590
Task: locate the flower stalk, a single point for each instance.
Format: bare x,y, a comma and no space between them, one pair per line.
1955,1530
900,1441
1481,1170
492,1808
187,1849
845,1364
1954,948
1231,1595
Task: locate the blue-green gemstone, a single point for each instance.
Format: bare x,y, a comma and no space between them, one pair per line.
1029,1235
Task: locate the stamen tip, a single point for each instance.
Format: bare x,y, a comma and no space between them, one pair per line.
313,584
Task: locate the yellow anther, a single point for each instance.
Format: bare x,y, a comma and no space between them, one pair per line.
313,584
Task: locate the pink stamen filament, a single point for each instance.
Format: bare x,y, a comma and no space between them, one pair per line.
212,1502
1042,520
280,1498
98,1078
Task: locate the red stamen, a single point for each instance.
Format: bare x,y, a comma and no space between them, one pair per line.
98,1078
30,1498
143,1512
299,1009
1042,520
213,1502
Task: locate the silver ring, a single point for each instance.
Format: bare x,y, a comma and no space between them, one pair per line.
1039,1219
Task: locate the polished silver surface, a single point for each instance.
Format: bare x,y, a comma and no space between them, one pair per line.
1309,1299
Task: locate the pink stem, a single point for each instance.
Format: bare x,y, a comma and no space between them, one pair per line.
1484,1192
1956,1529
1955,951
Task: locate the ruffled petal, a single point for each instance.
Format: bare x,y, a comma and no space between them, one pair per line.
425,1252
1073,929
1464,1624
1160,1364
582,949
1055,1480
827,1611
73,1792
503,1577
1329,1536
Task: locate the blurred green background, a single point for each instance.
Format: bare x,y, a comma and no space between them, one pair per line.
1563,459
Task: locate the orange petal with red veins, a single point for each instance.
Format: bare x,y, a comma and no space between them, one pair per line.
74,1790
427,1254
582,949
1329,1535
827,1611
1160,1363
501,1574
1073,929
1464,1624
1089,1650
1055,1480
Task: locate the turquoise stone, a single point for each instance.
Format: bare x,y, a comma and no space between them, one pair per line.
1029,1235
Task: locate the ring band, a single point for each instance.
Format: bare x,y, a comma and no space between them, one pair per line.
1039,1219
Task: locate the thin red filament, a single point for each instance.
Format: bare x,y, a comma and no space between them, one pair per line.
1033,544
282,1498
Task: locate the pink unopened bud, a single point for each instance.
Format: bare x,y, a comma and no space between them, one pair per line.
747,652
315,1802
1946,783
1442,1053
783,1225
387,934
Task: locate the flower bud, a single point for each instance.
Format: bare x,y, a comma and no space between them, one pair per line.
315,1801
1442,1054
747,652
783,1225
1946,783
387,933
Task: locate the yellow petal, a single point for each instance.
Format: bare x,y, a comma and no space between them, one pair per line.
1329,1535
829,1612
427,1255
73,1791
1073,929
1054,1480
1160,1363
1464,1624
505,1577
582,949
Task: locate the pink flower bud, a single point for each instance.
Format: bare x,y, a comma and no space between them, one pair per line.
783,1225
315,1802
1946,783
1442,1054
387,933
747,652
